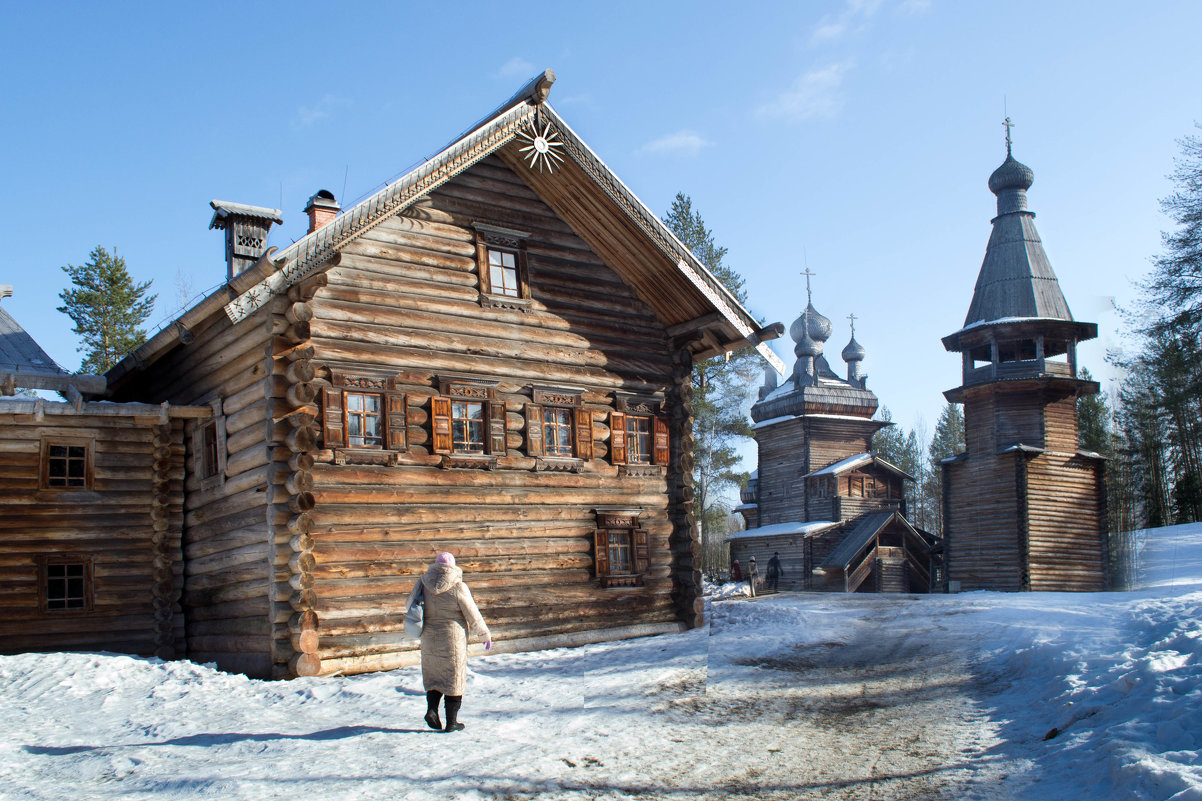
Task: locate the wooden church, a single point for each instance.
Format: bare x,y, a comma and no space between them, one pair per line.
490,356
833,510
1024,505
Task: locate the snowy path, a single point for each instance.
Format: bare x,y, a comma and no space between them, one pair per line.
780,698
784,697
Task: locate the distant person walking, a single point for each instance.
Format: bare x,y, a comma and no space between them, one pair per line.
450,615
775,571
736,572
753,575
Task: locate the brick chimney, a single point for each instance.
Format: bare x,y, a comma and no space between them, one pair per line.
246,229
321,208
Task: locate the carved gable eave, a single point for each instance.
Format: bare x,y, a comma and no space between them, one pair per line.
722,326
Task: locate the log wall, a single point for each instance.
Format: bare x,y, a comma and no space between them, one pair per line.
228,580
1017,521
403,303
126,526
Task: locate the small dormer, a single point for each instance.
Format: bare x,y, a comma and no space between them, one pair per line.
246,228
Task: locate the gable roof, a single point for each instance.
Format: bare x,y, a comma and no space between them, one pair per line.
23,363
861,533
859,460
602,210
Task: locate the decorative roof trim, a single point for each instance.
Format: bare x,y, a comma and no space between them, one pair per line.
307,254
661,235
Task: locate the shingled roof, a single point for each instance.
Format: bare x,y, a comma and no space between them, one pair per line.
23,363
1016,278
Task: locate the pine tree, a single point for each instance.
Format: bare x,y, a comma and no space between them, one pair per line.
1176,282
902,449
107,308
947,441
1093,421
721,387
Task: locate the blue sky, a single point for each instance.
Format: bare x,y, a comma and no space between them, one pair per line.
852,137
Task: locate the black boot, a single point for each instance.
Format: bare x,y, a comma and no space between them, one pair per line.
432,699
453,704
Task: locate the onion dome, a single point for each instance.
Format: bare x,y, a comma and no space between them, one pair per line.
807,346
820,327
1013,174
854,352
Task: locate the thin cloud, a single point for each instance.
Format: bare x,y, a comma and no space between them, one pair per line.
855,15
516,67
323,109
681,143
915,7
815,95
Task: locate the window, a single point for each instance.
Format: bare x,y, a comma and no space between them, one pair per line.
209,452
206,456
364,423
468,421
619,552
621,548
558,426
557,430
467,427
502,266
503,273
363,414
65,583
638,438
66,464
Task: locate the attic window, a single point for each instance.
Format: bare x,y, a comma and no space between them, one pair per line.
502,266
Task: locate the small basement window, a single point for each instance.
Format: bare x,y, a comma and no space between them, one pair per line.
65,584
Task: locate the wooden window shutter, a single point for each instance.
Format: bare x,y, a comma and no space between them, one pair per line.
396,421
332,431
602,544
534,430
661,452
642,555
584,433
496,428
440,416
482,265
617,437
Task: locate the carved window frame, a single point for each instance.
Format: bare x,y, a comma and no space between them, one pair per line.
88,463
86,563
453,389
615,527
393,423
558,400
633,407
502,240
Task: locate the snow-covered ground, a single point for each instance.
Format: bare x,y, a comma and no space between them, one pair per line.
972,696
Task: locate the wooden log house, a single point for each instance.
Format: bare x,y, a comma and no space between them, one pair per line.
832,509
490,356
91,512
1024,505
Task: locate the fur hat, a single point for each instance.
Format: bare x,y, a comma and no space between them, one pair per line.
445,558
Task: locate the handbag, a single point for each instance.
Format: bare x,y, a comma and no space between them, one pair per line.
414,615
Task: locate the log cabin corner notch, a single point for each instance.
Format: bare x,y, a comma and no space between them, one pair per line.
386,394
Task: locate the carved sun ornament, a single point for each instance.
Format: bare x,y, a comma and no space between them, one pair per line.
543,148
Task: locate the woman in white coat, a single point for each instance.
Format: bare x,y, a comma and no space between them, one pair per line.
449,616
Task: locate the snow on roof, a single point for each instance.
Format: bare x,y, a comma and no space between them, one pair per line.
784,529
850,463
773,421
